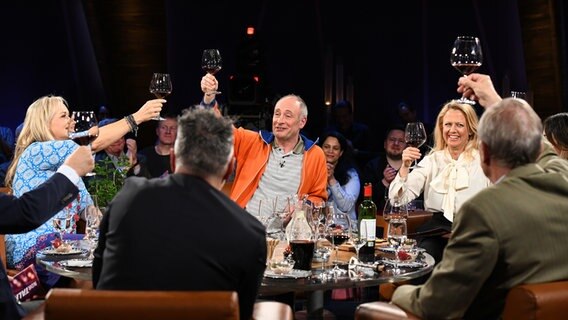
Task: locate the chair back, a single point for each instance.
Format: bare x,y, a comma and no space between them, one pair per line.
73,304
540,301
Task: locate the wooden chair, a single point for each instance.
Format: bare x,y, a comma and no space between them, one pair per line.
541,301
72,304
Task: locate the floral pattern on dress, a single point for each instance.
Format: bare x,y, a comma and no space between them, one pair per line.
38,163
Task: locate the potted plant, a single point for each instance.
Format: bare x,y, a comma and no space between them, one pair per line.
107,180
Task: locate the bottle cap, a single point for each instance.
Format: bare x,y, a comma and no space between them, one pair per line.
368,190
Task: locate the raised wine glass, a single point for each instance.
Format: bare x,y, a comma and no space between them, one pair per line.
211,62
415,136
466,57
160,87
85,129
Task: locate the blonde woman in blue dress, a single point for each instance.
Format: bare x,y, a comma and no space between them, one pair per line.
41,148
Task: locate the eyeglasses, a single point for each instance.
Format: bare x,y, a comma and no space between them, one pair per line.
395,140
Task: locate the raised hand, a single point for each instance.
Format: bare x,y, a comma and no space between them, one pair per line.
479,87
81,160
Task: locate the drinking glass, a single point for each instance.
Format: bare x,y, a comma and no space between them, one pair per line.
85,129
396,212
466,57
415,136
62,224
93,218
160,87
338,231
211,63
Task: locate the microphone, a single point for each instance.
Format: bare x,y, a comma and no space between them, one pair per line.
282,163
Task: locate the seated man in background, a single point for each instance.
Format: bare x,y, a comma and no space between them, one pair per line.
178,233
382,170
157,161
115,151
507,234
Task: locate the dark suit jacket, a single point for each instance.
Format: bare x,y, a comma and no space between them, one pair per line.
511,233
19,215
179,233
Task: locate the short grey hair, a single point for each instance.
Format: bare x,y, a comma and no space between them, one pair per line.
301,102
204,141
512,131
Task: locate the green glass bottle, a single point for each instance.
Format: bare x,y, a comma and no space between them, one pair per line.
367,224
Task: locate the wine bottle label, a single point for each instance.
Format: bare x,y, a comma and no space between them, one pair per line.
367,229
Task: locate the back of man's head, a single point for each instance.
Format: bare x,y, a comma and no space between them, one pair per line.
204,142
512,131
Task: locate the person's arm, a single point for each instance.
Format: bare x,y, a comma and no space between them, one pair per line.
209,86
35,207
413,184
113,131
457,279
345,196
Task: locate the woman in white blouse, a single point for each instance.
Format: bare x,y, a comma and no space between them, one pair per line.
449,175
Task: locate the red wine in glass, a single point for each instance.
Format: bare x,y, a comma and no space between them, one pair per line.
415,135
211,62
466,57
86,127
160,87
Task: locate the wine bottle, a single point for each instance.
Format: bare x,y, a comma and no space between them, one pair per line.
367,224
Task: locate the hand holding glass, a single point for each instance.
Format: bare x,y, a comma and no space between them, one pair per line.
85,129
211,63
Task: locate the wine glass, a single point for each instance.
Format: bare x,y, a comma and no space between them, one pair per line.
62,223
396,212
161,87
466,57
85,129
93,217
211,63
415,136
338,231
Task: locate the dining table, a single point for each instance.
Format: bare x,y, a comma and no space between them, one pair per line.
311,283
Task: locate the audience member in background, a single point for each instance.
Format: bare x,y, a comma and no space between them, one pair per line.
556,131
343,184
104,113
381,170
115,151
278,163
448,176
35,207
157,157
188,199
41,148
508,234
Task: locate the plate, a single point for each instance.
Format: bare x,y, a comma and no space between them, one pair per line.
52,252
77,263
294,274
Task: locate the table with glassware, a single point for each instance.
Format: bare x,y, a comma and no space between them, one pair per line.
357,275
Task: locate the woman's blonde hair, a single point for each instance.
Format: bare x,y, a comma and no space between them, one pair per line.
471,123
36,128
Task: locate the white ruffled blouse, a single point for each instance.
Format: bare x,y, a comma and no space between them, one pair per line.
446,183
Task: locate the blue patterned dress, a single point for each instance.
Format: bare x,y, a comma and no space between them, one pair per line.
37,163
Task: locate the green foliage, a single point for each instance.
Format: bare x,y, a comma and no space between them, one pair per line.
108,180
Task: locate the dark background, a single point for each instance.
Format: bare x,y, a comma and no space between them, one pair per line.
103,53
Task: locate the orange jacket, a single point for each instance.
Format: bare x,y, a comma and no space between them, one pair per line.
252,150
